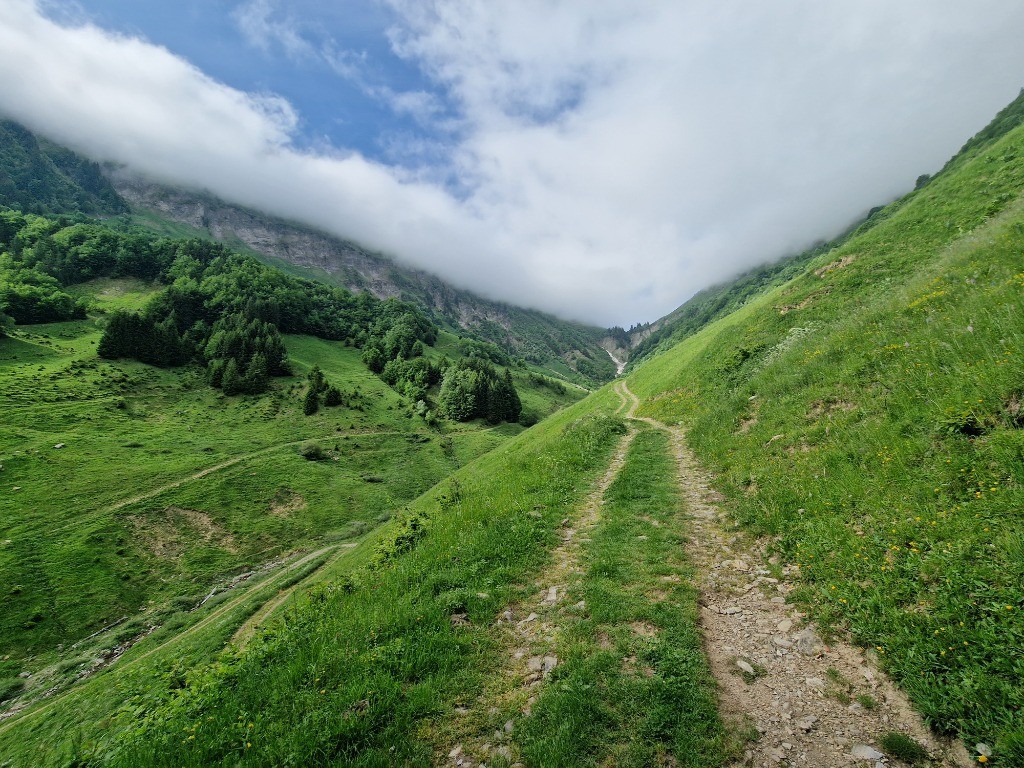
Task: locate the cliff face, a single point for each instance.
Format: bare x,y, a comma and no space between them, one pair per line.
572,348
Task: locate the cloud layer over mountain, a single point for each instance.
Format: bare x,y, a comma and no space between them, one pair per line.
602,160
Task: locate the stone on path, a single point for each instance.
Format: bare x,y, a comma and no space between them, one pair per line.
808,642
745,666
864,752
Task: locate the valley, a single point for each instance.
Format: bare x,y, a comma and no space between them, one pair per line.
254,519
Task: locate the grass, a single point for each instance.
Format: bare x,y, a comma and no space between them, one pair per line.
901,747
867,416
634,688
163,489
349,675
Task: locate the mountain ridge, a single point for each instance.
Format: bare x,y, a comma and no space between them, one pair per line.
572,349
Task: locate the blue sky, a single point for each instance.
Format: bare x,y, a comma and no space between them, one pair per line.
598,159
334,108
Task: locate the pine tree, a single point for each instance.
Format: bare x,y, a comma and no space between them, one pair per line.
332,397
231,381
312,402
215,373
513,405
256,375
317,382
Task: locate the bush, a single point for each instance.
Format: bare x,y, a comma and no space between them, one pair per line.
311,450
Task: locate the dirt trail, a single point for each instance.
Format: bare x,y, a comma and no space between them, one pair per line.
529,633
18,714
254,622
812,704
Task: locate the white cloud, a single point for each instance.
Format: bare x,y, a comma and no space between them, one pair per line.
256,22
612,159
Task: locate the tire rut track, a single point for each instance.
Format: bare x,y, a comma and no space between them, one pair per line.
529,631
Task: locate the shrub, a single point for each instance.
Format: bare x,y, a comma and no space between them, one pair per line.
311,450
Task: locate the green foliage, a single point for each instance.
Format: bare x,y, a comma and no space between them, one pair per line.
410,529
311,402
901,747
473,389
332,397
28,297
311,450
484,350
40,177
137,336
218,306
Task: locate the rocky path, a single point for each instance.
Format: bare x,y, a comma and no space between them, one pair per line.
802,701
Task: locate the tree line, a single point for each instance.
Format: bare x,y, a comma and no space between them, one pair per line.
227,312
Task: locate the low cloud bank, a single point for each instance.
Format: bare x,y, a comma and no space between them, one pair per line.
611,161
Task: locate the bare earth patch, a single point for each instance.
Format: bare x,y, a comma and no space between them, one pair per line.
843,262
286,502
166,533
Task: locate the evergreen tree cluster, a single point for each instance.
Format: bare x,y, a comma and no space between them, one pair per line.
320,391
242,353
473,389
220,309
142,337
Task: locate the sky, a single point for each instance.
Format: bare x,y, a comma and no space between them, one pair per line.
601,160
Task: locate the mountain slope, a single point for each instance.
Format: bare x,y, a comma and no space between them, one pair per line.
570,349
38,176
864,418
867,417
719,300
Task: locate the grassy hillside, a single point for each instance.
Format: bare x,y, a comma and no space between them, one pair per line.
718,301
470,559
864,416
529,598
867,416
131,492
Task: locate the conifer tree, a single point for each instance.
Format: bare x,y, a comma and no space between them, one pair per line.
231,381
312,402
256,376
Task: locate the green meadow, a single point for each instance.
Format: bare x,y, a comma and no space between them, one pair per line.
131,493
